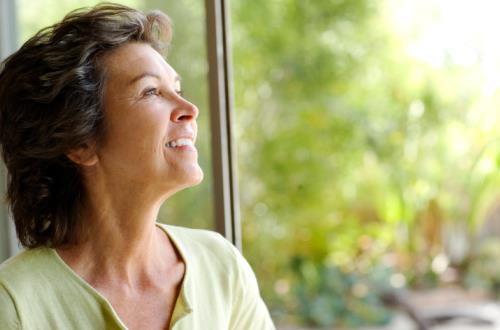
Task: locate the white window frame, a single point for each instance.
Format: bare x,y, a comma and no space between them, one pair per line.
8,43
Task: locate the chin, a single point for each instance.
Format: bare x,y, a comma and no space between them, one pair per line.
197,177
183,182
191,178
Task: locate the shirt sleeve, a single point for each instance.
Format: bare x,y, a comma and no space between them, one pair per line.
248,311
8,313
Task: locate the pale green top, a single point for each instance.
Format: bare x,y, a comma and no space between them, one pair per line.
38,290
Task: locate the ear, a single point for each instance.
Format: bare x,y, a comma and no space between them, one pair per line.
85,155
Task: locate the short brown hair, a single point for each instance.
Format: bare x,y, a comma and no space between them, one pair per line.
50,103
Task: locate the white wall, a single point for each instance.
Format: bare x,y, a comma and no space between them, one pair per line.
8,43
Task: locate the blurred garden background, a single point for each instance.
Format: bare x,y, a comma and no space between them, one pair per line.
368,140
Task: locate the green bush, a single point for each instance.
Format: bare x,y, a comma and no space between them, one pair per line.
328,296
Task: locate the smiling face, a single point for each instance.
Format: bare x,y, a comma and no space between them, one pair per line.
150,129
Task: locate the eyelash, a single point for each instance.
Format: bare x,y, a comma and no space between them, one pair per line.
154,91
151,92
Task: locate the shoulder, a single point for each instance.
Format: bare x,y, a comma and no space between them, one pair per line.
209,250
19,269
194,236
17,278
200,243
206,245
215,260
9,316
20,275
31,273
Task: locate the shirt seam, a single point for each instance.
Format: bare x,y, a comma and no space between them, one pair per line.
16,307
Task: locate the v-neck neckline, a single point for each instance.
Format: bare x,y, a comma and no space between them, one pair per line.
182,306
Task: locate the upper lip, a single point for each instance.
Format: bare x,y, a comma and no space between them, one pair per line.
184,136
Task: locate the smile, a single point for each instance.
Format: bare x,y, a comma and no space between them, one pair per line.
180,143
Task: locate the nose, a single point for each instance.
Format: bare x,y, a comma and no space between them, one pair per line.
184,111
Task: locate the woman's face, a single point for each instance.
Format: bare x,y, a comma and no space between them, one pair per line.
150,129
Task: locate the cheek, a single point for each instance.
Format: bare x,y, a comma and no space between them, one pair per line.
143,125
132,143
135,135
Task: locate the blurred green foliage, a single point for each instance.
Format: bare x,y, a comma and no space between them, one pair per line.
483,271
354,154
330,296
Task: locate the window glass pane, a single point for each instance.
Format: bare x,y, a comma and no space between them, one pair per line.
192,207
368,153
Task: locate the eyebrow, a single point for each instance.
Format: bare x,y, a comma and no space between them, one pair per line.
144,75
150,74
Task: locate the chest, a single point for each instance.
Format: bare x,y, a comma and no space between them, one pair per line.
150,307
147,311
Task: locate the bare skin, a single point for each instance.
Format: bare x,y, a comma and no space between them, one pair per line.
127,177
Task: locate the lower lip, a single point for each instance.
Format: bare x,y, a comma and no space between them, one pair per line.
183,148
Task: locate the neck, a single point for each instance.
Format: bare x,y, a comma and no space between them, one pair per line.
122,241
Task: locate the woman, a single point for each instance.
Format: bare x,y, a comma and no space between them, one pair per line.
96,135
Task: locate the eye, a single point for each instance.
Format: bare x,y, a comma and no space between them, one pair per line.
177,87
151,91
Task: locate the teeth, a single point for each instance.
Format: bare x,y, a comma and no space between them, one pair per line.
179,143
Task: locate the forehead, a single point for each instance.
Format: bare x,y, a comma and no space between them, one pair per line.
133,59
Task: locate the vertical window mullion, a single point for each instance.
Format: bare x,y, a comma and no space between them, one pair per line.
226,208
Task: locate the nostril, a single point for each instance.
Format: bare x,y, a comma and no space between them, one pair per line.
180,116
185,117
185,111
